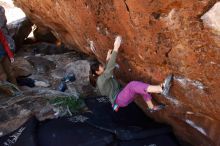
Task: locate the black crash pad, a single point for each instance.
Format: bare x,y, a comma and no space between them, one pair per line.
128,123
100,127
160,140
25,135
71,132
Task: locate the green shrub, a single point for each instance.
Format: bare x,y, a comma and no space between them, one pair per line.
68,104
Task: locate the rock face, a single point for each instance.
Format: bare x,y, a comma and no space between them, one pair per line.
15,110
19,30
159,37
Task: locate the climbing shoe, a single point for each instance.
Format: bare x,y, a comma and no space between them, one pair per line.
156,108
166,85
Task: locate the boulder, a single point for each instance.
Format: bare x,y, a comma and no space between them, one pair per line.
41,64
46,48
43,34
159,38
19,30
22,67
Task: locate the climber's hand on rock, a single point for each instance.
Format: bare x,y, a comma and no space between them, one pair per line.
117,43
109,55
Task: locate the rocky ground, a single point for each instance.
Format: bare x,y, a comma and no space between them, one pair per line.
41,59
34,61
159,37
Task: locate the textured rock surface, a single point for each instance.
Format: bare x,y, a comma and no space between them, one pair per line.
43,34
19,30
37,101
160,37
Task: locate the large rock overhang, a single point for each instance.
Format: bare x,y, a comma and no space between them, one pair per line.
159,37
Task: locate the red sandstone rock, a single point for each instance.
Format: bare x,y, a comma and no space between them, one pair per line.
160,37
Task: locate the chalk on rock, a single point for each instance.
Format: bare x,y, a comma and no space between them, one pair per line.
212,18
118,40
117,66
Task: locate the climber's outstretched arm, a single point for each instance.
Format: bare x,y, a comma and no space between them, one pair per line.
112,56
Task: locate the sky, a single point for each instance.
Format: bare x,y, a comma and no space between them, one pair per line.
12,13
